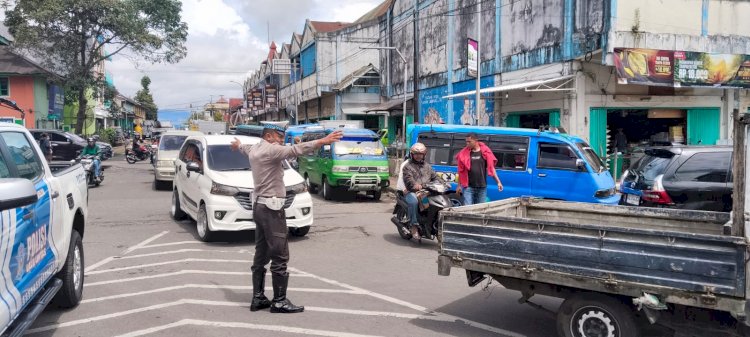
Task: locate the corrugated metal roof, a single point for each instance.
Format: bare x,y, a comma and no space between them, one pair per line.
327,27
376,12
12,63
351,78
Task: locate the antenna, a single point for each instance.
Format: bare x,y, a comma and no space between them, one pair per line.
268,31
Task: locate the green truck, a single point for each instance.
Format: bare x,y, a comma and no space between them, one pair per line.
358,163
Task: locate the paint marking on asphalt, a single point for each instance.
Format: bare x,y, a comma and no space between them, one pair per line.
181,272
179,251
411,305
165,263
173,244
238,325
55,326
132,248
215,286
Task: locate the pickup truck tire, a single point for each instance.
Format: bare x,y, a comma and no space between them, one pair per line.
202,227
175,211
72,275
595,315
300,231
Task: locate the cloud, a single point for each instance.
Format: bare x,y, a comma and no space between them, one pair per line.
227,39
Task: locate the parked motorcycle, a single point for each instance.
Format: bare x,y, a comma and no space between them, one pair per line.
133,157
88,165
436,198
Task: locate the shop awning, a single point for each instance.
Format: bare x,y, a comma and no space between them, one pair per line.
542,85
391,105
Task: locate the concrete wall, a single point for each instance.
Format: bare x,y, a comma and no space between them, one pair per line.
716,26
339,53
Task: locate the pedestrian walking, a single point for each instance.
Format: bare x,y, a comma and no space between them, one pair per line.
475,162
46,146
266,159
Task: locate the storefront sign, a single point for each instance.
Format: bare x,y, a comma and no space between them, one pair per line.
257,98
679,68
473,57
56,102
271,97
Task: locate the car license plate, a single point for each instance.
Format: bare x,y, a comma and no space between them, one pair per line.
633,199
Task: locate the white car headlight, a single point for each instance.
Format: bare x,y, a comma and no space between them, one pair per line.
340,169
383,169
220,189
298,188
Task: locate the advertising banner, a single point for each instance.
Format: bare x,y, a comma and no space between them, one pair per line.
644,66
271,97
256,96
713,70
473,57
56,98
681,69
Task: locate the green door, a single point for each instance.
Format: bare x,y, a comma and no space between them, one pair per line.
554,118
703,126
513,121
598,131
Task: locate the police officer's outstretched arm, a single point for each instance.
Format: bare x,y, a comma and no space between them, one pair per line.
289,152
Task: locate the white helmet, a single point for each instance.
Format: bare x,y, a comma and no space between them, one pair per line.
418,148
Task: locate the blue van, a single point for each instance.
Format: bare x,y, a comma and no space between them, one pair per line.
543,164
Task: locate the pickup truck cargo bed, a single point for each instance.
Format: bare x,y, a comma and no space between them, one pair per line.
680,256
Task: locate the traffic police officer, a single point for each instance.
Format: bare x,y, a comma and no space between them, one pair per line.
271,232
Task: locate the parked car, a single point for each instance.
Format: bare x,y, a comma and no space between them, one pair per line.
545,164
67,146
169,147
214,186
44,210
693,177
356,163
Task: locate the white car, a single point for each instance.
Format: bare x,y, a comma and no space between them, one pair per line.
214,186
166,153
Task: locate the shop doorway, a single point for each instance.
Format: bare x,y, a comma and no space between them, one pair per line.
371,122
533,119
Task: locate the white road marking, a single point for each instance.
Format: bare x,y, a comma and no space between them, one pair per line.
214,286
179,251
166,263
132,248
275,328
194,242
431,317
181,272
412,306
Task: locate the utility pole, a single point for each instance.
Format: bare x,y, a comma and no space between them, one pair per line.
479,60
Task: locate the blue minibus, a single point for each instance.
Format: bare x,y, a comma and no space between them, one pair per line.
539,163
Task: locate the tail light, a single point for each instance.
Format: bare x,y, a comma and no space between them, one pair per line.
657,194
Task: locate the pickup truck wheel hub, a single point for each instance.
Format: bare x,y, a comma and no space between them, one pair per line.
593,322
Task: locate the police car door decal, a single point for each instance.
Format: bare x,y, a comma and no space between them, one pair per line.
10,298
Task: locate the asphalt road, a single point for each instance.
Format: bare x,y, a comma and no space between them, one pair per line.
149,275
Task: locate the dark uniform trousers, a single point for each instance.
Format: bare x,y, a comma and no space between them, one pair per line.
270,240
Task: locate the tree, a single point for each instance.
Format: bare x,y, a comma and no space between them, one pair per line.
69,37
218,116
145,98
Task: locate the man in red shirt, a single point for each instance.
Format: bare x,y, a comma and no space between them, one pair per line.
475,162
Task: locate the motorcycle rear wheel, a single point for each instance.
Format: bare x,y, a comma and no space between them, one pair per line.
403,218
131,159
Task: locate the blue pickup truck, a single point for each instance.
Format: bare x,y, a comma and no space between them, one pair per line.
43,209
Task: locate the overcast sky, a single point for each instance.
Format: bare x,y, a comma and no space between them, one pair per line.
227,39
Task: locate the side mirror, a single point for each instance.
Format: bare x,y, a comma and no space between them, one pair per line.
581,165
16,193
70,141
193,167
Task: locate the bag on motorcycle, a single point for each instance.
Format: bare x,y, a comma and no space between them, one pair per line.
424,201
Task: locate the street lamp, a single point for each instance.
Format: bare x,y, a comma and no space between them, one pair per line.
406,68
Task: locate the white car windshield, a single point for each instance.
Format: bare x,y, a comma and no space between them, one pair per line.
171,143
222,158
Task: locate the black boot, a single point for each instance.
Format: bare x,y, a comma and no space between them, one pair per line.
280,303
260,301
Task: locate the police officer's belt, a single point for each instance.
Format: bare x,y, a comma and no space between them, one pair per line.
272,203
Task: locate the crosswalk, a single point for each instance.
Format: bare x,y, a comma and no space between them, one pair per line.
173,285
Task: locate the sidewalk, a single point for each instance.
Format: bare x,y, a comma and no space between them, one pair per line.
392,186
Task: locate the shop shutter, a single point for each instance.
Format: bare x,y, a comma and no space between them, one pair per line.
554,118
513,121
598,131
703,126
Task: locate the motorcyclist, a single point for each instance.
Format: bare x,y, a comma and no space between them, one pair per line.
91,149
137,146
416,174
